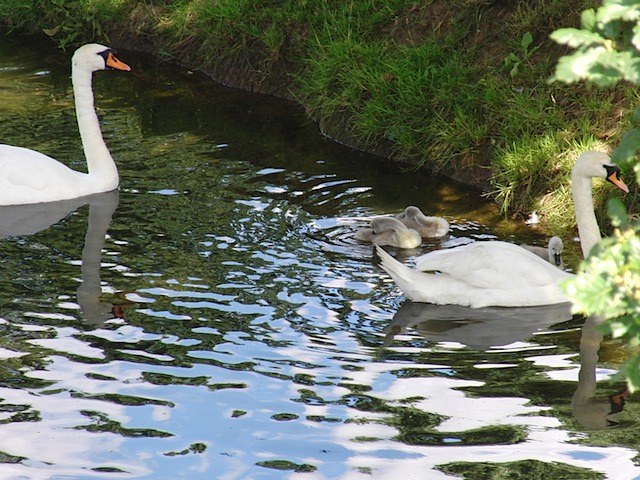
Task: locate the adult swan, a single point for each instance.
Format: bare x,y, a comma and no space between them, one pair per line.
27,176
502,274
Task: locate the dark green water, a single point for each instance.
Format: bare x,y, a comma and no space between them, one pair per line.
217,319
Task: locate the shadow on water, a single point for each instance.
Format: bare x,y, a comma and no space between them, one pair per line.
217,318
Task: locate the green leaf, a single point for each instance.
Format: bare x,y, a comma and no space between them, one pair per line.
511,58
576,38
618,213
635,39
618,329
632,370
613,12
627,148
527,39
610,66
588,20
629,64
578,65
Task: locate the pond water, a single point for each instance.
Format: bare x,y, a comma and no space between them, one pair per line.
217,319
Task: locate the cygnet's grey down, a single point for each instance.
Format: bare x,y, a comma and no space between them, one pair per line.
391,232
552,253
427,227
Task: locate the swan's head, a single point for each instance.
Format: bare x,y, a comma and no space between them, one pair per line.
94,57
412,212
556,246
597,164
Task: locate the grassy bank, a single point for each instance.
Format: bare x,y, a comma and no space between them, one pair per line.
458,86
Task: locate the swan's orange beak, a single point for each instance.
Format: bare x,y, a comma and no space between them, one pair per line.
113,62
615,178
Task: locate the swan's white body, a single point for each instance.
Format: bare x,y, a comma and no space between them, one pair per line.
389,231
480,274
502,274
552,253
427,227
27,176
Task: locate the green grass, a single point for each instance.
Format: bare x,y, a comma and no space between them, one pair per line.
423,99
431,84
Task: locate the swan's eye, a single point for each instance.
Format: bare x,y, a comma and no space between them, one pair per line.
105,54
612,170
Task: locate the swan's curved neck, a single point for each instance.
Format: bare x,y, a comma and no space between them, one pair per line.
102,169
588,228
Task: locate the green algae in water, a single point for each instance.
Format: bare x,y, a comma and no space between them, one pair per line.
287,465
523,470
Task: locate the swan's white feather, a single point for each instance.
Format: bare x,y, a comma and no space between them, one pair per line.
478,275
490,264
27,174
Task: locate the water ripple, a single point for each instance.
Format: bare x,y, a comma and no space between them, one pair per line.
227,324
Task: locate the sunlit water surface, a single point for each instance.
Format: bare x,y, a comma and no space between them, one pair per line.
217,319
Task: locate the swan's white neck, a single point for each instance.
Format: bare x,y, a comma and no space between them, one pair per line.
588,228
101,167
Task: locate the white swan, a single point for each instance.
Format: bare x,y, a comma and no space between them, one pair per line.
389,231
427,227
27,176
485,274
552,252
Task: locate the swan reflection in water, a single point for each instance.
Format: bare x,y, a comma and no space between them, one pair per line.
101,209
488,327
478,328
591,410
20,220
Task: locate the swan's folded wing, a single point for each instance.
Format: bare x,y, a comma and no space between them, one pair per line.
22,168
492,265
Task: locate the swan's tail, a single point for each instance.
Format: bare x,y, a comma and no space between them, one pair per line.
405,278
